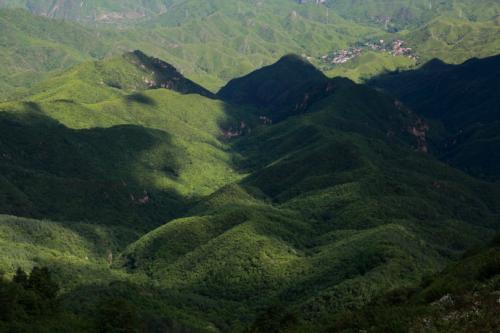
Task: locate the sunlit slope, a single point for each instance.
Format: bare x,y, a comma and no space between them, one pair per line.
231,38
75,251
455,40
214,41
102,143
92,82
398,14
31,46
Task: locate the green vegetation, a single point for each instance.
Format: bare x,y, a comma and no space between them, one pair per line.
455,40
400,14
251,225
369,65
211,46
291,200
462,98
287,87
31,46
217,40
462,298
26,299
103,11
166,145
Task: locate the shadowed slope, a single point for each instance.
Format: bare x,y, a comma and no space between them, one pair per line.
83,175
464,99
285,88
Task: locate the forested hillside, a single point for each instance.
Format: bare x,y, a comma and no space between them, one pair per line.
252,197
463,98
249,166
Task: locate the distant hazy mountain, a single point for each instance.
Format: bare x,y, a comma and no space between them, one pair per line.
214,41
95,11
397,14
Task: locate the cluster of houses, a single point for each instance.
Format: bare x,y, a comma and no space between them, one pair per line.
342,56
395,48
318,2
398,49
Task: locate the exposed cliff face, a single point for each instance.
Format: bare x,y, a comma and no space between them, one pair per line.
164,75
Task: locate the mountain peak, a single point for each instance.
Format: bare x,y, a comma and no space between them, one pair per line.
293,58
286,87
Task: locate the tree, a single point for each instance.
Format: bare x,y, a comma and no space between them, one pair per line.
41,282
8,301
21,278
117,316
275,319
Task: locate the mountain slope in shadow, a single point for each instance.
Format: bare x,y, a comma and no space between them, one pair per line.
287,87
464,100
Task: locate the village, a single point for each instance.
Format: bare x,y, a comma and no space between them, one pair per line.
395,48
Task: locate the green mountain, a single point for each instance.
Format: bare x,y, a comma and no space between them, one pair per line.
91,11
31,46
396,13
462,98
287,87
455,40
190,213
462,298
211,47
399,14
217,40
199,185
100,102
369,65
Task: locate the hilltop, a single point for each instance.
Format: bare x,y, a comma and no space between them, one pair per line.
287,87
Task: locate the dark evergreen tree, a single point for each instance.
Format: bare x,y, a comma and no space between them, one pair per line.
41,282
117,316
21,278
